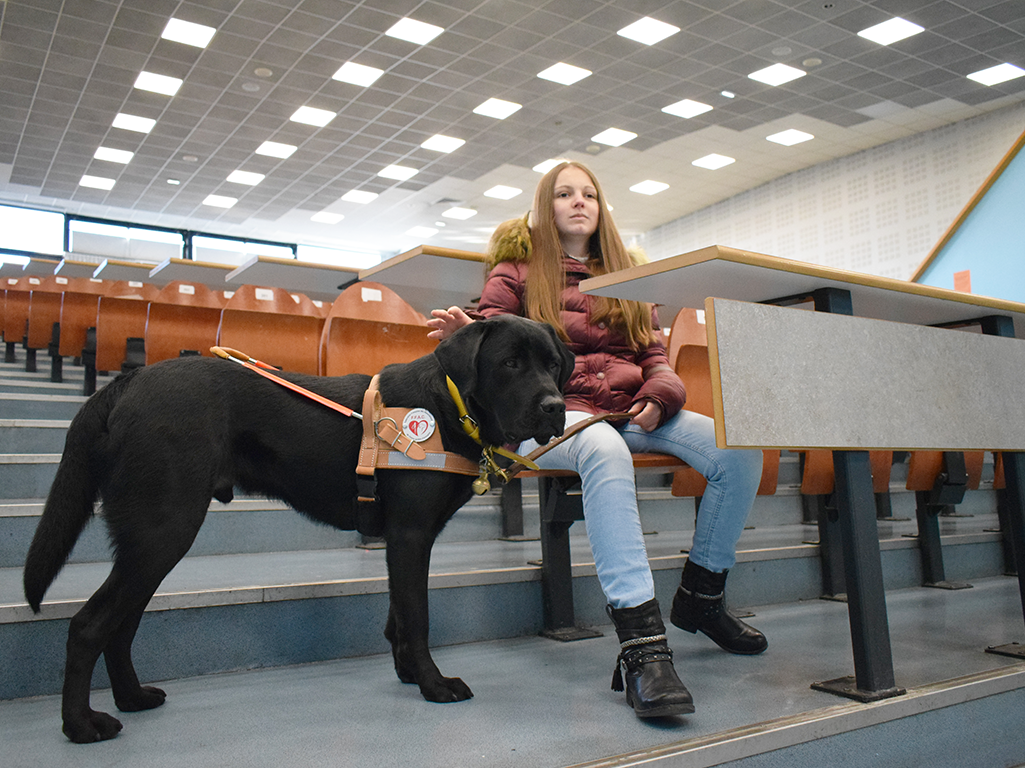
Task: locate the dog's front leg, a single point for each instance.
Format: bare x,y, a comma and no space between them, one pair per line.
408,554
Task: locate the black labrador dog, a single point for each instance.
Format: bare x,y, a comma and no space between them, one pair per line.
158,444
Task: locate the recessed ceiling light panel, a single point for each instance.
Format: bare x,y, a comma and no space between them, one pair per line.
187,32
359,196
357,74
563,73
648,31
446,144
246,177
777,74
614,137
220,201
96,182
891,31
713,162
502,192
399,172
135,123
114,155
790,137
649,187
422,232
462,214
547,165
274,149
1001,73
497,108
323,217
687,108
151,81
312,116
413,31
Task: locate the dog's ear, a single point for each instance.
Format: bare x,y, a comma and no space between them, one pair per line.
458,354
567,358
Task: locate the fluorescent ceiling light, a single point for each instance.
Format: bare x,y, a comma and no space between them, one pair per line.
400,172
459,213
323,217
220,201
713,162
446,144
648,31
174,182
133,123
687,108
563,73
777,74
1001,73
547,165
274,149
186,32
497,108
312,116
890,31
422,232
96,182
502,192
649,187
246,177
413,31
357,74
614,137
790,137
114,155
359,196
150,81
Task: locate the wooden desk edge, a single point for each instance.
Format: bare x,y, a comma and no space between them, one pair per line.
724,253
425,250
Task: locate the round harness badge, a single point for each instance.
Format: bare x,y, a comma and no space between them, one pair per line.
418,425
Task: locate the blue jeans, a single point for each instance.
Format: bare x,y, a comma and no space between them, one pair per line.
600,454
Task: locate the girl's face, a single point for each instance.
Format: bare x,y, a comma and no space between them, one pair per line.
575,204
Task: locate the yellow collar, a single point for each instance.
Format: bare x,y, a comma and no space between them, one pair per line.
471,429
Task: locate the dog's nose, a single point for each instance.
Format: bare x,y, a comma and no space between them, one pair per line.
553,406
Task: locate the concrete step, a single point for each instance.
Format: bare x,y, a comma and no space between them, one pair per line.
543,703
255,610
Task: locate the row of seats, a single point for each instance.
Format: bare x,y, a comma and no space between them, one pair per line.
365,328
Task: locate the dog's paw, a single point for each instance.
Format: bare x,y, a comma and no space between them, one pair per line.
146,697
95,726
447,689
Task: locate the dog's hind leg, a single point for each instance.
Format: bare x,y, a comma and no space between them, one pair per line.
107,624
129,694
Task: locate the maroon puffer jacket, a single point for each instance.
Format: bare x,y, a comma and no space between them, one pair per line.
608,375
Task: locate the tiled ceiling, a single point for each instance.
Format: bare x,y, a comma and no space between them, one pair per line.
67,68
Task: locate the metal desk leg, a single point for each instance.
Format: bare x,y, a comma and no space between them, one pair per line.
1014,472
866,600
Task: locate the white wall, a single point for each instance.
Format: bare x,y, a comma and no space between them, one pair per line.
879,211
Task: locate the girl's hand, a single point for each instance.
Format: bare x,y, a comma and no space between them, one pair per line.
646,414
445,322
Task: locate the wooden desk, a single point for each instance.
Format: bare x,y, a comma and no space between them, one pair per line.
432,278
322,282
72,268
727,273
189,271
129,271
40,267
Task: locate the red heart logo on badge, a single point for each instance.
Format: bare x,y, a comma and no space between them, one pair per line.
418,426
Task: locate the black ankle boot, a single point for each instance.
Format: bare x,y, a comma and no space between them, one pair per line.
652,686
698,605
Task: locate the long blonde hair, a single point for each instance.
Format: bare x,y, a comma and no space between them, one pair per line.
535,238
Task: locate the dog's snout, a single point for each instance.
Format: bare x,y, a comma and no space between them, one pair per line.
553,405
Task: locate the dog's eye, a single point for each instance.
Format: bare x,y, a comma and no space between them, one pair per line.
511,362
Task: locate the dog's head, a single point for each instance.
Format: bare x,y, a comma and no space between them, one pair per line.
510,372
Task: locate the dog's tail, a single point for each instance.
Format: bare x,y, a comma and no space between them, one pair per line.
75,489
